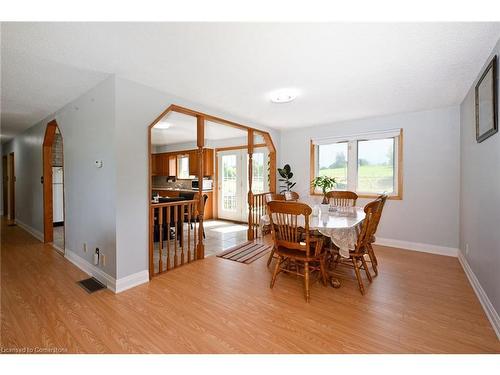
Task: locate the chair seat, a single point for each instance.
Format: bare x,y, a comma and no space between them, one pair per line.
298,254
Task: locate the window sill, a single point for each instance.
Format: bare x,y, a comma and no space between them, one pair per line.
398,197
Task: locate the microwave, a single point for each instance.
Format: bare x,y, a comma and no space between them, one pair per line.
206,184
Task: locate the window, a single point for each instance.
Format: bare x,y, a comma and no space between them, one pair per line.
369,164
183,167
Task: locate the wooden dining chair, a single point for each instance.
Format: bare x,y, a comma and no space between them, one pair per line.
291,196
342,198
371,253
266,229
357,256
293,244
268,197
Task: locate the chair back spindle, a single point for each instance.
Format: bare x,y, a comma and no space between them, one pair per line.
342,198
291,196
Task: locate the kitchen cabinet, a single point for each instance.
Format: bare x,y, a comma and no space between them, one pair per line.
165,164
208,162
193,163
154,165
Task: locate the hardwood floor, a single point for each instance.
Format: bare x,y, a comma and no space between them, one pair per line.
418,303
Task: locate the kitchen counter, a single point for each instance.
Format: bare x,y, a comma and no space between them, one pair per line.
183,190
174,193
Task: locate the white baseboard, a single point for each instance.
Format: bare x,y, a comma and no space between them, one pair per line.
35,233
490,311
90,269
116,286
416,246
130,281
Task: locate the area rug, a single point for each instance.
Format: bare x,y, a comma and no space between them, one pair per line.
247,252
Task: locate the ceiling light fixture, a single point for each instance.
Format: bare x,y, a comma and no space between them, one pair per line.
162,125
283,96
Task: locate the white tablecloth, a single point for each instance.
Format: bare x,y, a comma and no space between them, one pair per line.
342,226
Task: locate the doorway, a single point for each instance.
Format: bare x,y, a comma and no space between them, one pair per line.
9,186
233,184
53,187
5,181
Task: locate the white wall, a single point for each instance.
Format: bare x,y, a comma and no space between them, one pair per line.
27,150
87,126
137,106
107,207
428,212
480,199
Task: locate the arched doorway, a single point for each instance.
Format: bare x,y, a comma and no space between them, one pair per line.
53,187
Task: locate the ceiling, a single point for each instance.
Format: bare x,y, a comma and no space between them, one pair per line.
342,70
183,129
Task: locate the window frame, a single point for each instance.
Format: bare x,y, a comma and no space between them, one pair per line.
352,161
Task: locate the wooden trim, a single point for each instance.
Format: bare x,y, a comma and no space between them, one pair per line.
272,172
400,168
312,167
268,140
200,140
399,182
230,148
250,234
216,188
201,118
207,117
48,142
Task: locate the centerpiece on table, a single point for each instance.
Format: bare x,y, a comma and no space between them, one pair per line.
326,184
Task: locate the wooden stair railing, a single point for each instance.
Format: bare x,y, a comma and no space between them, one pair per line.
173,235
257,209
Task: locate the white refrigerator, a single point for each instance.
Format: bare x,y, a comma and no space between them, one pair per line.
57,195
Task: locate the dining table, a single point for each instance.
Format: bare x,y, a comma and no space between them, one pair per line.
341,224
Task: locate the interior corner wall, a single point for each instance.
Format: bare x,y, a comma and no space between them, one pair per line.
480,197
430,173
87,129
137,106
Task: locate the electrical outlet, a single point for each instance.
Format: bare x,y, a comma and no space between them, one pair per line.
467,249
96,257
84,247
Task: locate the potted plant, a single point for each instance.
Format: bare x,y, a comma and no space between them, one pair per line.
326,184
286,175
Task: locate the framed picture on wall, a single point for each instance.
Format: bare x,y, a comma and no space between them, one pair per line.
487,102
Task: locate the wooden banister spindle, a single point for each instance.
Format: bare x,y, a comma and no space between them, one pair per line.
182,208
189,208
176,235
160,240
151,241
168,237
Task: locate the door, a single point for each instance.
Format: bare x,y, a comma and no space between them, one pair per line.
12,187
233,181
5,187
230,185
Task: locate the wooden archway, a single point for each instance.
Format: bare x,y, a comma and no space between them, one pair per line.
48,143
201,118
